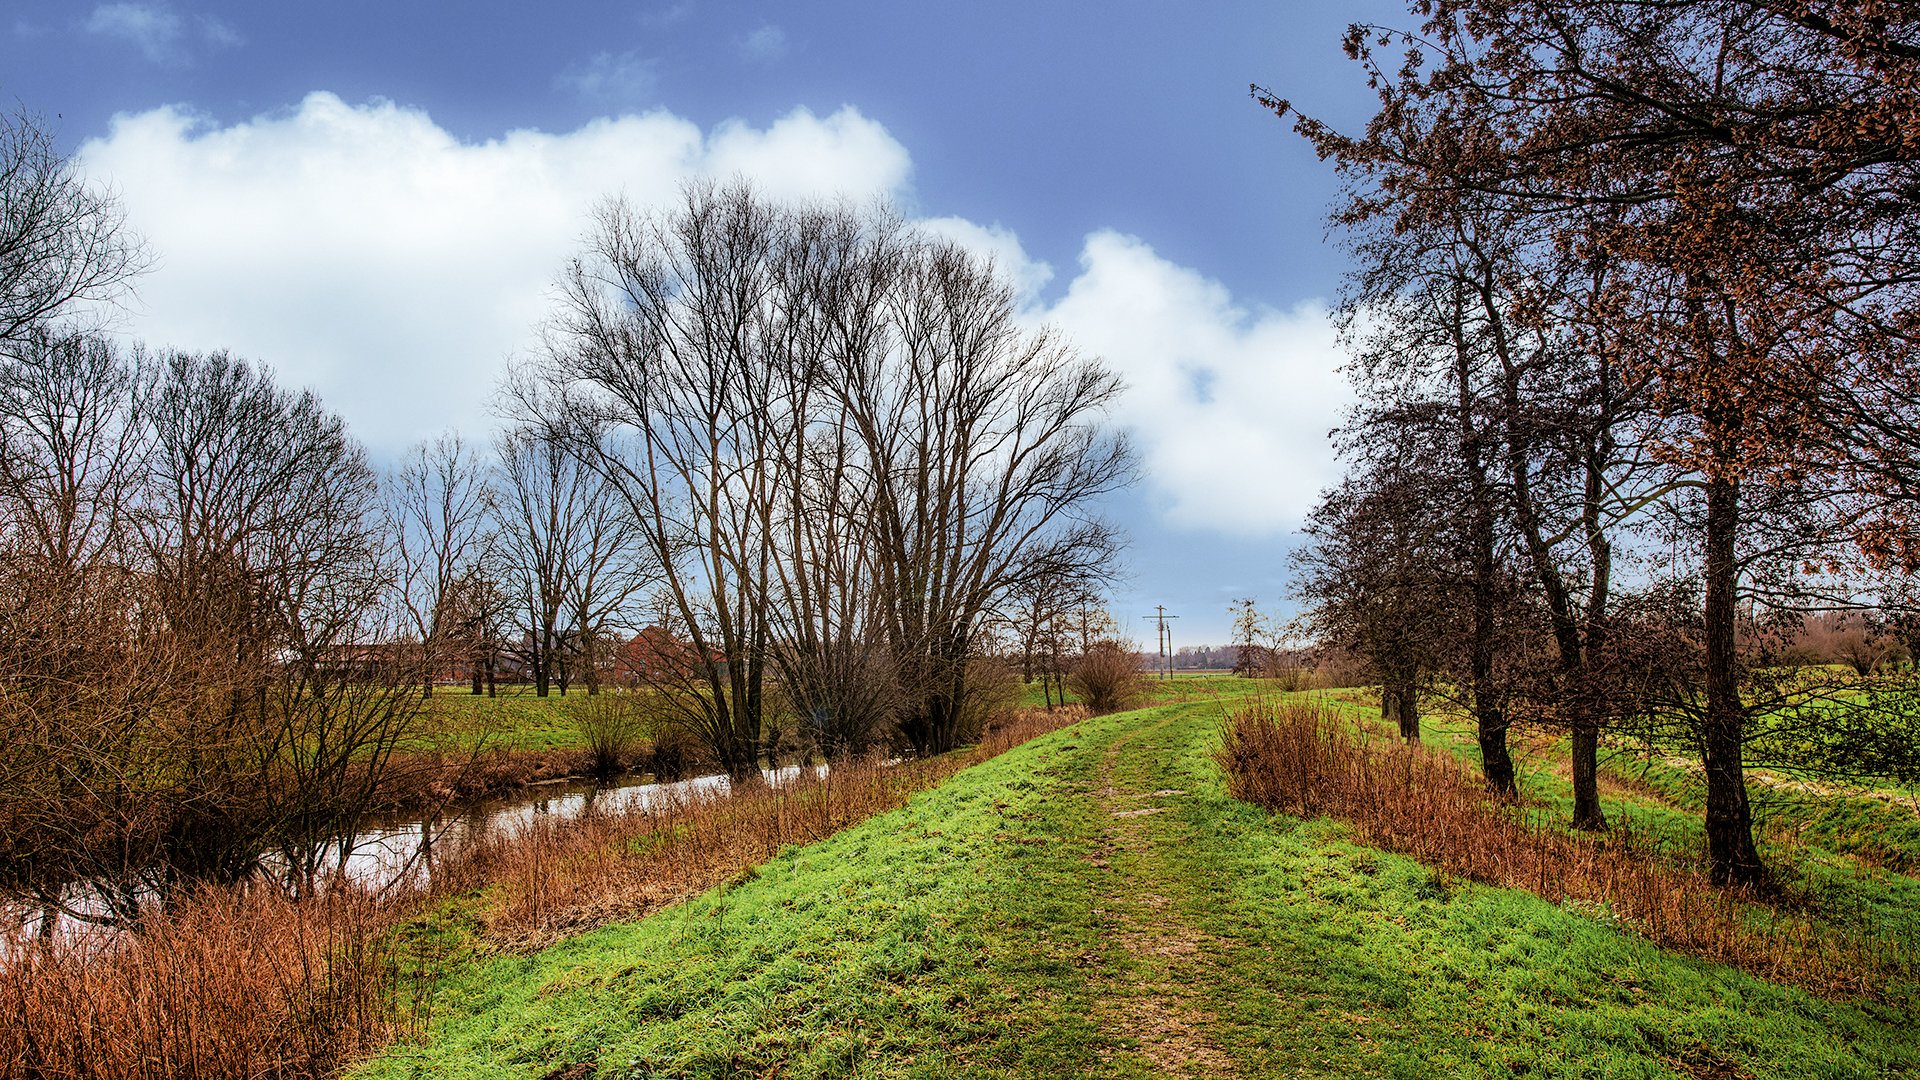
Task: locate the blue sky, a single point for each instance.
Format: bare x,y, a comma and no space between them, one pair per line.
357,192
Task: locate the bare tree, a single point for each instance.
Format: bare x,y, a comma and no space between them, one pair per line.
986,445
437,506
841,445
259,529
569,556
664,366
1379,572
207,683
63,242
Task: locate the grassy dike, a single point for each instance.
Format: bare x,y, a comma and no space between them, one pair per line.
1092,903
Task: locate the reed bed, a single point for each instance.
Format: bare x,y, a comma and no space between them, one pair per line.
226,983
249,983
1301,758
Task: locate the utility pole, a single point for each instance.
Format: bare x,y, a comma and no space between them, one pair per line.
1165,637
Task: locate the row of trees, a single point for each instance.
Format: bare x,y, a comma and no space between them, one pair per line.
809,449
1634,304
187,554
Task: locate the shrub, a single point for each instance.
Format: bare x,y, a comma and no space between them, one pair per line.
613,725
675,751
1106,678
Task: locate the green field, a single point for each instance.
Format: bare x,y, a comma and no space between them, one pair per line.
515,720
519,720
1093,904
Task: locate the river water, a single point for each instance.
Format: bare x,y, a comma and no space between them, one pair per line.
405,850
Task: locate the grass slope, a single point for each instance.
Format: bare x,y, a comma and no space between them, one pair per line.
1094,904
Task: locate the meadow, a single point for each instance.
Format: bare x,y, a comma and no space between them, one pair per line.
1096,902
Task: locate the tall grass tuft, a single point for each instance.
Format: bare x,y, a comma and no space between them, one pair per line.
614,727
1300,758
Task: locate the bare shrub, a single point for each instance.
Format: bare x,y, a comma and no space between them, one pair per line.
1300,758
614,727
1106,678
676,751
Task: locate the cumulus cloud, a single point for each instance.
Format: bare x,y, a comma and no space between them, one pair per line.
609,79
1231,405
163,35
364,251
768,42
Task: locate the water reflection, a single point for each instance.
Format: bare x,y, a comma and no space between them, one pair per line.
402,851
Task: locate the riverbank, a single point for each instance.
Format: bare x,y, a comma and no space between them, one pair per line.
251,983
1093,903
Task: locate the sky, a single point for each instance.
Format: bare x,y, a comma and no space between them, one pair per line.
375,198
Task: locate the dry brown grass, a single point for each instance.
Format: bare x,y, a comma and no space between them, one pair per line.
251,984
1300,758
224,985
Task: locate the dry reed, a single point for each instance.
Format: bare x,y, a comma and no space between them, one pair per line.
1300,758
222,984
248,983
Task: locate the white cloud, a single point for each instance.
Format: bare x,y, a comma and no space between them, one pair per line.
1231,406
768,42
162,34
666,15
364,251
154,28
608,79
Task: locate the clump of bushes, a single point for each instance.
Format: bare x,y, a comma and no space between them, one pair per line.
1106,678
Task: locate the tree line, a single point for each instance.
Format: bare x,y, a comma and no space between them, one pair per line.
1633,323
807,452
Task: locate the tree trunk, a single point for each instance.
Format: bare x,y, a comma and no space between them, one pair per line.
1496,761
1730,849
1586,774
1401,703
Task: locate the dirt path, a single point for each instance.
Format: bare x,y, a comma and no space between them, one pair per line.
1156,995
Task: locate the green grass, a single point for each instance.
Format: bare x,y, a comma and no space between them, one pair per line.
515,720
1184,686
519,720
1009,924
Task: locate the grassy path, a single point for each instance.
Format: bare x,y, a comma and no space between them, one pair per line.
1093,904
